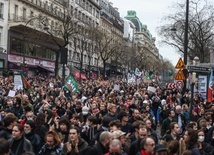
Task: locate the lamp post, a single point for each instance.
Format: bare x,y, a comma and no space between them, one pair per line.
186,40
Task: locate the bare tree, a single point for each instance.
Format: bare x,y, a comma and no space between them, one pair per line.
56,34
201,28
93,36
105,47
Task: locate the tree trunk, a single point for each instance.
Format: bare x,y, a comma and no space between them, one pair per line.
104,69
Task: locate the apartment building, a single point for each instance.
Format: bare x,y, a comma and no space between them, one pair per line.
88,14
3,34
144,37
30,23
112,23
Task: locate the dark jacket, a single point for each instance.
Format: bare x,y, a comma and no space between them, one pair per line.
81,146
207,149
97,135
97,149
41,131
6,133
46,150
165,125
153,135
24,145
209,137
135,147
35,141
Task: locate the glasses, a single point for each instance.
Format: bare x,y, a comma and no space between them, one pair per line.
152,145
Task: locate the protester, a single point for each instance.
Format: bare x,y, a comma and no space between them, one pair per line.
147,146
191,138
52,144
132,113
102,145
75,143
204,147
4,147
9,122
115,148
19,144
167,121
136,145
173,133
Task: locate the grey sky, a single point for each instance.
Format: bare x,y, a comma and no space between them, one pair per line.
150,13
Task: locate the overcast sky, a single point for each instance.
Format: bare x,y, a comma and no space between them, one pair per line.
150,13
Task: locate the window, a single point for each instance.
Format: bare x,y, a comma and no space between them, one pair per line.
1,10
85,59
24,14
1,35
17,46
1,63
16,13
31,14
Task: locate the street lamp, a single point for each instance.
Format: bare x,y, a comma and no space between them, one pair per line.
186,40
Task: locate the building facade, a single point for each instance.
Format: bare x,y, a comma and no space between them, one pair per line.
3,34
87,12
31,50
145,43
112,23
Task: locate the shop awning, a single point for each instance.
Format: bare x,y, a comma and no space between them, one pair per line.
47,68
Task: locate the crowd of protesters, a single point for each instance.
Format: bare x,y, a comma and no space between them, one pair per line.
46,119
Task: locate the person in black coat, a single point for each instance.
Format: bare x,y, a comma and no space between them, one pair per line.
103,127
210,136
204,147
17,108
29,128
19,144
135,146
101,147
9,121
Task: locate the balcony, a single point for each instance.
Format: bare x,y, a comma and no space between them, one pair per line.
47,8
17,22
95,4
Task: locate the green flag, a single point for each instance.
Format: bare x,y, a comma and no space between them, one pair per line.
71,84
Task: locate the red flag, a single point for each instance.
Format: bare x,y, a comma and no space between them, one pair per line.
211,86
26,84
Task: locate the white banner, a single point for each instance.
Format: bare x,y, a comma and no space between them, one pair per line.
18,82
131,78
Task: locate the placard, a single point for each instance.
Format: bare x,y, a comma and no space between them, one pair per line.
152,89
116,87
11,93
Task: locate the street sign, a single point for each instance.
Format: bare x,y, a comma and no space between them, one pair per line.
171,85
180,75
198,69
180,64
180,84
